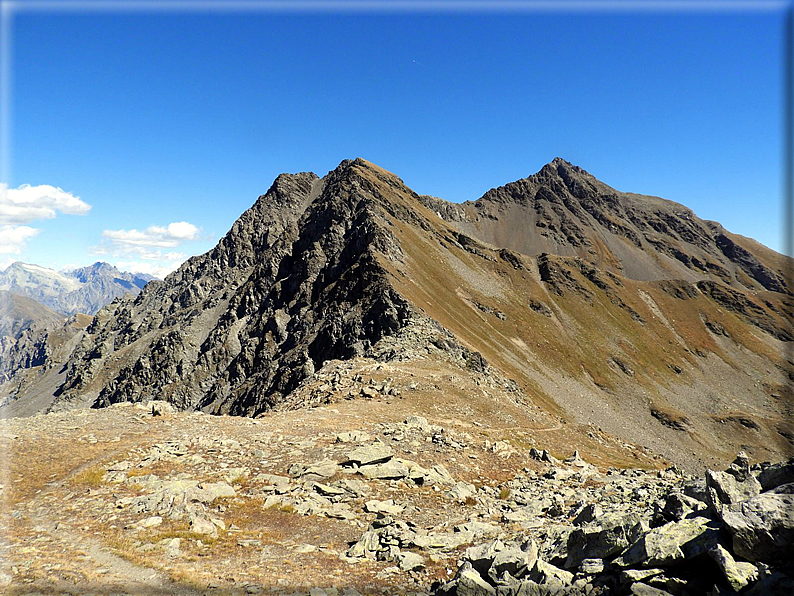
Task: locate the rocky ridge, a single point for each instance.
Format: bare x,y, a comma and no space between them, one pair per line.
688,361
295,283
640,237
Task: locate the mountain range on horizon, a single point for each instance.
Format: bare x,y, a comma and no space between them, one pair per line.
583,303
81,290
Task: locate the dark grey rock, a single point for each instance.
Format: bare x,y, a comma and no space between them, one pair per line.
677,506
776,474
696,488
610,536
774,584
543,455
740,467
590,513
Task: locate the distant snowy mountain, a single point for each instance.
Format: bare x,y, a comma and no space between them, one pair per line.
84,290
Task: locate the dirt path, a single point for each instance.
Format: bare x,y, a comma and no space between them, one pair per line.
100,571
42,544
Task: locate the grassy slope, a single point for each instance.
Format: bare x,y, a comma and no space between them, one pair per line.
588,332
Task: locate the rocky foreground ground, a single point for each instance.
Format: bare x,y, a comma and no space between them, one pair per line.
366,496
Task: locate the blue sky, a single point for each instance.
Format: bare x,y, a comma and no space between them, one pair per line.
161,118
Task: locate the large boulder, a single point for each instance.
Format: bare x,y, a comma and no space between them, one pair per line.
738,574
726,490
443,540
204,525
467,582
695,488
763,527
462,491
677,506
394,469
547,574
367,546
409,561
207,492
481,556
318,471
774,584
672,543
612,535
514,560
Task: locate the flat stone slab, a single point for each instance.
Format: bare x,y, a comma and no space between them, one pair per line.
370,454
390,470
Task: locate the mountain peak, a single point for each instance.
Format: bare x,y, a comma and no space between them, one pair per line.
359,166
99,267
559,167
86,289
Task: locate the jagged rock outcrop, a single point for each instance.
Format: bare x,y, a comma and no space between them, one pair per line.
31,363
296,282
26,351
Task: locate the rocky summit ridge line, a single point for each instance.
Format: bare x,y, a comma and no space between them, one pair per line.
565,210
598,307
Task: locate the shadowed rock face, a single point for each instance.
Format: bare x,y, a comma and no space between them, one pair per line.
616,310
294,283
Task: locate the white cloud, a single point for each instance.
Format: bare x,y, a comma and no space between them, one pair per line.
143,251
158,270
169,236
140,252
13,238
28,203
